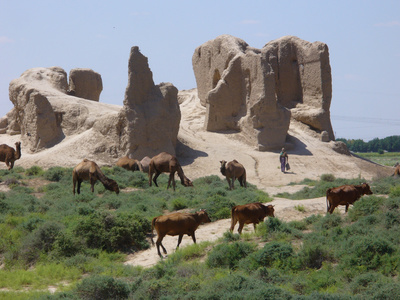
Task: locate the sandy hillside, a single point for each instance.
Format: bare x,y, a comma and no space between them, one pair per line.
200,151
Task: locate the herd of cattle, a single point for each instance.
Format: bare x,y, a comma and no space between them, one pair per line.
187,223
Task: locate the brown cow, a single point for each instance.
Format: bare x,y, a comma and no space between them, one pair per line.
129,164
89,171
345,195
250,213
233,170
177,224
165,162
9,155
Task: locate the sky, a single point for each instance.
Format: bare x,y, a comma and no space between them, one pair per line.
363,38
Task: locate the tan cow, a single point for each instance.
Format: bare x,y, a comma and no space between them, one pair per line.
233,170
89,171
129,164
345,195
167,163
252,213
177,224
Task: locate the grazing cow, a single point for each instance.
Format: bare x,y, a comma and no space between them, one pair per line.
89,171
250,213
167,163
345,195
233,170
177,224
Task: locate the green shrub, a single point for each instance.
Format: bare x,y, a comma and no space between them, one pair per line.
178,204
277,254
102,287
41,239
113,231
364,207
328,177
312,255
364,282
394,191
34,171
55,174
387,292
367,251
228,255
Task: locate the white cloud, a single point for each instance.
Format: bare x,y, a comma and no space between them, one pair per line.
249,22
5,40
388,24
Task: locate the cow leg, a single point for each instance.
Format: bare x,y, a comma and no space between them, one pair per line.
240,227
155,178
233,224
194,238
79,186
331,209
241,181
229,183
179,241
347,207
233,182
158,244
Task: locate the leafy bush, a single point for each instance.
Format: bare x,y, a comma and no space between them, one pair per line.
41,239
312,255
328,177
56,174
102,287
113,231
366,251
34,170
365,206
228,255
273,254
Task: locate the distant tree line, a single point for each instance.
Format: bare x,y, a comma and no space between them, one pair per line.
390,144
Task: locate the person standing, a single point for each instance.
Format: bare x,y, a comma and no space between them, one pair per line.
283,157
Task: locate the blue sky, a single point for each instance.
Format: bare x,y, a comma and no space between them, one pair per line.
363,39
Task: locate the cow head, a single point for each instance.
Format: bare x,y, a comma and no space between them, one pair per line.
186,181
270,211
223,166
112,185
366,189
203,216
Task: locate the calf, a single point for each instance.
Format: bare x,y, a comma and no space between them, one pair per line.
177,224
345,195
250,213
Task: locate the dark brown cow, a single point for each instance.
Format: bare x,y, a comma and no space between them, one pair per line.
345,195
250,213
233,170
177,224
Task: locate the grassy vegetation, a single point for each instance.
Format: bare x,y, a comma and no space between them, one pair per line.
78,244
386,158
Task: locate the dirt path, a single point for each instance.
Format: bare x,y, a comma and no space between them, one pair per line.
285,210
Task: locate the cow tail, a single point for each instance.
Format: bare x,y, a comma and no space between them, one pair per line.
153,222
327,201
233,221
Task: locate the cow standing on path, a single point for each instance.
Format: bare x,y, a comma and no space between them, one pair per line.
177,224
345,195
250,213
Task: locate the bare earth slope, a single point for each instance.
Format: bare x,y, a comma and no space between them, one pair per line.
199,153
